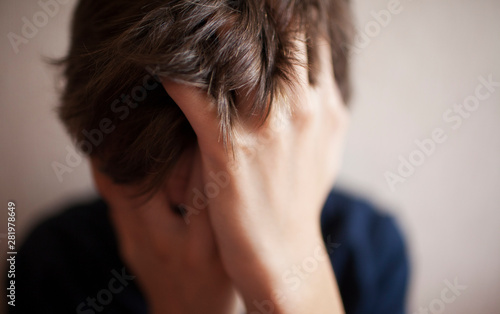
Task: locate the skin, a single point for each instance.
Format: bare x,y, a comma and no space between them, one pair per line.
263,220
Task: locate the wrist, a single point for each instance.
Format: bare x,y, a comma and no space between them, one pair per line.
292,276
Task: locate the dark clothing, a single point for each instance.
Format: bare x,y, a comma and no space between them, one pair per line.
70,262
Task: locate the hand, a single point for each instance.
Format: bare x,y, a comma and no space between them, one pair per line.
177,266
265,216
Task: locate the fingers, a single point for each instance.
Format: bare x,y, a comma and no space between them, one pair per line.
200,111
302,106
325,76
325,60
302,64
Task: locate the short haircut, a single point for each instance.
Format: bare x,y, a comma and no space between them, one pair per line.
113,105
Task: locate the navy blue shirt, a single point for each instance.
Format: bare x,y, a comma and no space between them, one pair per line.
70,262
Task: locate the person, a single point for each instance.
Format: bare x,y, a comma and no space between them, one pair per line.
215,131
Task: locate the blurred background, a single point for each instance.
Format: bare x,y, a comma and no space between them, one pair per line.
424,143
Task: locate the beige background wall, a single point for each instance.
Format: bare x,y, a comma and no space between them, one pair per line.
413,69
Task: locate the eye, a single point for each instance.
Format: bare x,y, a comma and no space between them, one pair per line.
178,210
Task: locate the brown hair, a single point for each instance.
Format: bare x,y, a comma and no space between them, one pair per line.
117,111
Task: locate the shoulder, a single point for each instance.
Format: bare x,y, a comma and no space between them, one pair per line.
368,254
81,232
72,254
357,221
